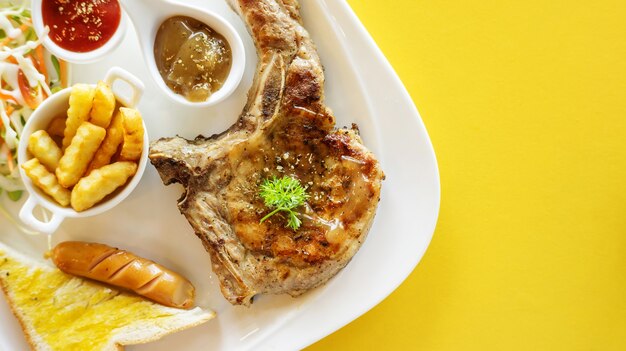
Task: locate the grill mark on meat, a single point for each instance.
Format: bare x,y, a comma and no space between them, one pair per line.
285,129
302,89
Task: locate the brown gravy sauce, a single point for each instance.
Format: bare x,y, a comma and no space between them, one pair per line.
193,59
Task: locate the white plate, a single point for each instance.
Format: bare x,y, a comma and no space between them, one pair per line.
361,87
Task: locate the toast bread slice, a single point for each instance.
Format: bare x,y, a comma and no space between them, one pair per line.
58,311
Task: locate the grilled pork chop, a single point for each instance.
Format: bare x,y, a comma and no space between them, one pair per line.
284,130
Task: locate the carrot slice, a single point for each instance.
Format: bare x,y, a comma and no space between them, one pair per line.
10,160
41,64
63,69
27,92
6,97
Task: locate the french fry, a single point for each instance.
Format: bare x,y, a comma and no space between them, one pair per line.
79,153
133,135
56,128
100,183
103,105
41,145
81,101
113,139
46,181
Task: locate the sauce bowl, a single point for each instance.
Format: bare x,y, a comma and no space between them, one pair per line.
56,105
72,56
148,15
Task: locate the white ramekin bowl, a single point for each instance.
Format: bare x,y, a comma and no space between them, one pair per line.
55,106
148,15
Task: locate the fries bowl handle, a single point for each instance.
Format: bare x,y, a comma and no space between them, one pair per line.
133,82
27,216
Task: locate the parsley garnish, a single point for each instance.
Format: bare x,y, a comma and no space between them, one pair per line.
283,194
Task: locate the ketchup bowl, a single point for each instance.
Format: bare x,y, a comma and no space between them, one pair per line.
55,106
97,28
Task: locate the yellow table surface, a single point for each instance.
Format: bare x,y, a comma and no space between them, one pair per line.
525,103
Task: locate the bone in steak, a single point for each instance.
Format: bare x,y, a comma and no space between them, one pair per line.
285,129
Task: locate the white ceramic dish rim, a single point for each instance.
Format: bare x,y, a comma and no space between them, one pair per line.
43,116
148,15
71,56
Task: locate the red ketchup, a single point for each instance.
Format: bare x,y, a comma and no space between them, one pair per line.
81,25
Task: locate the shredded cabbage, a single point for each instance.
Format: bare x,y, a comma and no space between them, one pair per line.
23,86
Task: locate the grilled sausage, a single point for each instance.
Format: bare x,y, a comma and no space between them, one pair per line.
126,270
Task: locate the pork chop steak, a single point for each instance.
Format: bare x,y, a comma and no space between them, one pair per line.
284,130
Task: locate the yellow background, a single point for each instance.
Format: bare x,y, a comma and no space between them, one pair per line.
525,103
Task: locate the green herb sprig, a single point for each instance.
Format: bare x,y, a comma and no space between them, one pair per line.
283,194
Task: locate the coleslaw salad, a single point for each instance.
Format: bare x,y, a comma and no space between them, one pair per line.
28,75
